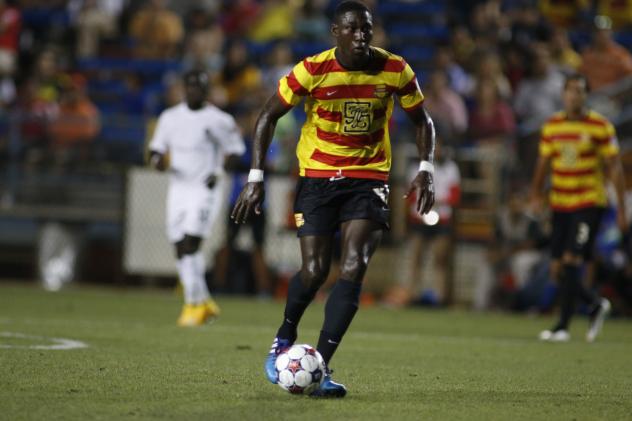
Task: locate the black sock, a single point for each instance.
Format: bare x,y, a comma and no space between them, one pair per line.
341,306
570,284
298,298
588,297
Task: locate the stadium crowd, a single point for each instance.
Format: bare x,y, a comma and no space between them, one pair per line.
82,81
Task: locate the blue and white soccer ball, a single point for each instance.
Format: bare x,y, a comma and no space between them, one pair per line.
300,369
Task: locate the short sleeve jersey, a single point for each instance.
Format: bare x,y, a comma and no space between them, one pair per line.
576,149
197,141
346,129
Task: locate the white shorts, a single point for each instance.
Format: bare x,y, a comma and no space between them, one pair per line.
191,210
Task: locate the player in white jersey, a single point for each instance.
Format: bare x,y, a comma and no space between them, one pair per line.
200,139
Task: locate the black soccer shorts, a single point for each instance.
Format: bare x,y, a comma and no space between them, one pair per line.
575,232
322,204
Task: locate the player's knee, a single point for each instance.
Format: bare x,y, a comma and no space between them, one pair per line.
314,275
354,268
188,245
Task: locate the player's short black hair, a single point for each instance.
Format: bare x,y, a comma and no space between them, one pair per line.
576,76
196,76
350,6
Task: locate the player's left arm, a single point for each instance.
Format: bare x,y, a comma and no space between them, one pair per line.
159,145
252,194
614,172
422,184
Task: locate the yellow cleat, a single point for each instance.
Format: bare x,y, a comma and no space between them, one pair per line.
188,315
212,309
198,314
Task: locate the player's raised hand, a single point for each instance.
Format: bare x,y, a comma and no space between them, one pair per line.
250,199
423,186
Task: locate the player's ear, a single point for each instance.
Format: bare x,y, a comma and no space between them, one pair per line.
334,30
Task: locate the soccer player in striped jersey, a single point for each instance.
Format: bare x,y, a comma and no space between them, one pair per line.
579,147
344,158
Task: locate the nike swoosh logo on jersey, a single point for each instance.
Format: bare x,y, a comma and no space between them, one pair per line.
330,93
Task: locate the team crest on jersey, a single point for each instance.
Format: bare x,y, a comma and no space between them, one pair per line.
568,154
380,91
298,218
357,117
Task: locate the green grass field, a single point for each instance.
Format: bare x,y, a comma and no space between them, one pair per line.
397,365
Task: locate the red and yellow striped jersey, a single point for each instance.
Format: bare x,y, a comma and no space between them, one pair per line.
576,149
346,130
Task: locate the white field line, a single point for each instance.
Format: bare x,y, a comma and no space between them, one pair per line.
58,343
412,337
269,329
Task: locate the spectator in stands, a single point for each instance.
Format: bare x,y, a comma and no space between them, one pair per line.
76,124
280,64
488,24
620,11
528,26
491,128
446,107
605,62
462,46
514,63
95,21
157,31
431,233
311,22
238,76
10,24
514,252
489,67
538,94
490,118
204,42
38,104
239,17
563,14
275,22
459,80
564,56
35,114
47,75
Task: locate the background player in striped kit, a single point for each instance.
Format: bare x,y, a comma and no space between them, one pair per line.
199,139
575,145
344,158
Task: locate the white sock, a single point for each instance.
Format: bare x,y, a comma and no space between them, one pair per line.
200,293
188,275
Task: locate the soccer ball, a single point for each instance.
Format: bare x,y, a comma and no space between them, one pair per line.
300,369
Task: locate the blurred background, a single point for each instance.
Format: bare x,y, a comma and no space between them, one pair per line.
83,81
